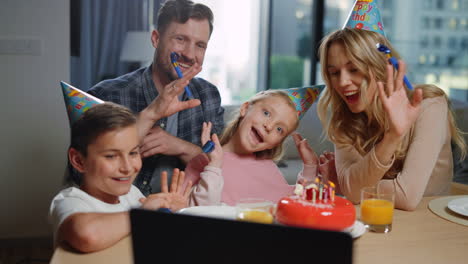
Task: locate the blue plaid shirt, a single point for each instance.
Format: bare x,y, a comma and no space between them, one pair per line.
136,90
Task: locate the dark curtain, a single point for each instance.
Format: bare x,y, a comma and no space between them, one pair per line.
103,25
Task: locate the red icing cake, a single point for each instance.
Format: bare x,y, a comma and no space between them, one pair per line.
334,213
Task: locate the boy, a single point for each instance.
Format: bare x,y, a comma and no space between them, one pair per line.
105,150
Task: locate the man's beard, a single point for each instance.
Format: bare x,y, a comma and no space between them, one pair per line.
167,70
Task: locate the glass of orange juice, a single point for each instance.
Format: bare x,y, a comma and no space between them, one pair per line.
255,210
377,209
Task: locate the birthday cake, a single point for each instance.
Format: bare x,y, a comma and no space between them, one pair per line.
316,206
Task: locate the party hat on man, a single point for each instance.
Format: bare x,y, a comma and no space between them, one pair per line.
77,102
365,15
303,97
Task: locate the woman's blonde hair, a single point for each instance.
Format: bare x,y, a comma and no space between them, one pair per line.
276,152
364,130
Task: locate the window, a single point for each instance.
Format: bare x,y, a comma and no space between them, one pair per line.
433,60
424,42
232,58
464,24
440,4
450,60
464,44
261,44
422,59
428,4
452,43
336,13
437,42
438,23
444,59
291,38
426,23
453,23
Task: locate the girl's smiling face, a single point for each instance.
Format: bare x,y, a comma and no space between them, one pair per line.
264,125
346,79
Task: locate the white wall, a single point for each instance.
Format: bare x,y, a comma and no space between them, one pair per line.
33,122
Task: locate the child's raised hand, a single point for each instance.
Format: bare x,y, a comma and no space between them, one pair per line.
307,154
154,202
215,156
327,165
206,132
176,195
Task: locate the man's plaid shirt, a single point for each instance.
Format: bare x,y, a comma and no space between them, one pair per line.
136,90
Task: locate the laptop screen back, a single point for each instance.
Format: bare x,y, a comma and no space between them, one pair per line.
159,237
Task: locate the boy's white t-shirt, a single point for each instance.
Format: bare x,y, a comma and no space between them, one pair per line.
73,200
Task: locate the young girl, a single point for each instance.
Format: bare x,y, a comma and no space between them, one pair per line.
394,137
243,167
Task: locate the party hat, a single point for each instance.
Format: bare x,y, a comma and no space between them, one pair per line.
77,102
303,97
365,15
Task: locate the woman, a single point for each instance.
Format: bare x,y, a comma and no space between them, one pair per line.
384,133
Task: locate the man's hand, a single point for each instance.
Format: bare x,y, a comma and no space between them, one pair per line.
167,102
158,141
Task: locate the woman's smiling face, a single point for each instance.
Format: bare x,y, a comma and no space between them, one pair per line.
346,79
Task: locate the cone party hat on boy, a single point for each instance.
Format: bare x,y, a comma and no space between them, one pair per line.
365,15
77,102
303,97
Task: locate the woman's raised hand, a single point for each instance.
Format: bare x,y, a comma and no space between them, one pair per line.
400,111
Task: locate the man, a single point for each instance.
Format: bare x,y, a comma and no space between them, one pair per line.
185,28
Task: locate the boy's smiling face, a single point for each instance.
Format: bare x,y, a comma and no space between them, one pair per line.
112,163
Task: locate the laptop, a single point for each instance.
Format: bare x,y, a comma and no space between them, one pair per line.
160,237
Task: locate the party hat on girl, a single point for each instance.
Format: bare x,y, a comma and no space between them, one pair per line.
303,97
77,102
365,15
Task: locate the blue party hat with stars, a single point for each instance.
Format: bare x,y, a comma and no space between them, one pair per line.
76,101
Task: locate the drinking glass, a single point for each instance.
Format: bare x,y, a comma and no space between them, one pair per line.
377,209
255,210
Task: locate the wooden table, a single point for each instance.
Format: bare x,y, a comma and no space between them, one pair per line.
417,237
